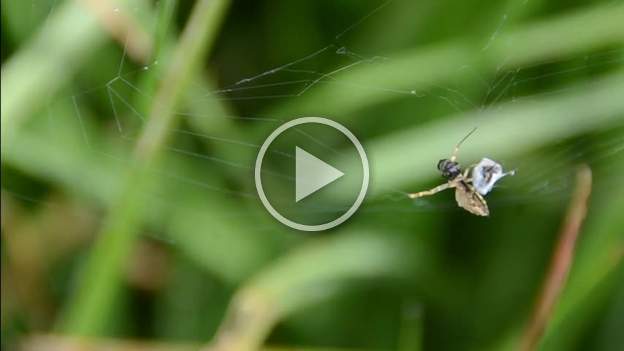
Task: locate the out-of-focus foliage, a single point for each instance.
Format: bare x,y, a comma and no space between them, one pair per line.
170,246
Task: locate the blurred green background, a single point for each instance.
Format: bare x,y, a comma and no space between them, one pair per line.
130,131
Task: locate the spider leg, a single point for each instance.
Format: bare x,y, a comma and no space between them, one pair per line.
437,189
455,152
456,149
470,167
467,172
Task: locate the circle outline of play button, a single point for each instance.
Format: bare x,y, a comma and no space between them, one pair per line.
365,171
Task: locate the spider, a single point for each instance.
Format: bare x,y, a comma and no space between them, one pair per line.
471,184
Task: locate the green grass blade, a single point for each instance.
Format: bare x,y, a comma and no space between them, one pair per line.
419,69
101,277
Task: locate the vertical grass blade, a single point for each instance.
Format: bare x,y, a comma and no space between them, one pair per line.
100,280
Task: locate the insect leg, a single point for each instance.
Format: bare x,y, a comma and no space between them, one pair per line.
437,189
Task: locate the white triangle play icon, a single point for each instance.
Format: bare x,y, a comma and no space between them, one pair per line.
311,174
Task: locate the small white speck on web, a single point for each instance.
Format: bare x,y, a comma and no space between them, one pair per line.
417,94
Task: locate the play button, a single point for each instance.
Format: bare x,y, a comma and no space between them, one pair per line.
298,179
311,174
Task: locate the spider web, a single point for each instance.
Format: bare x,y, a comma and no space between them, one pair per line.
284,82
